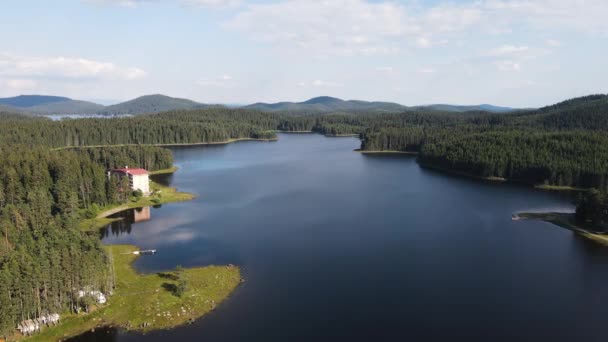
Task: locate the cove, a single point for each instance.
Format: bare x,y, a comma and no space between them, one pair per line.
337,245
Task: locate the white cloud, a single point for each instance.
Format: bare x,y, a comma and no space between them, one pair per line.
508,50
553,43
222,81
423,42
385,69
64,68
321,83
365,27
427,70
508,65
136,3
344,27
20,84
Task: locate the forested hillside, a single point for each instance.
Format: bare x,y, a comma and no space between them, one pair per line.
150,104
560,144
44,258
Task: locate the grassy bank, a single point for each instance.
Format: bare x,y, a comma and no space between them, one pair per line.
161,194
168,171
558,188
145,302
567,221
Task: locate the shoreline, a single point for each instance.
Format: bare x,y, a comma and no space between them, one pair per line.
380,152
345,135
226,142
558,188
296,132
566,221
464,174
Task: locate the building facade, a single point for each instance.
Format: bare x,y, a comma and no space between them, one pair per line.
138,179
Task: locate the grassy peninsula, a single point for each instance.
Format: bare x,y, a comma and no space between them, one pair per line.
568,221
145,302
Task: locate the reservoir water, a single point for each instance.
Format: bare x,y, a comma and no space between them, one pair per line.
338,246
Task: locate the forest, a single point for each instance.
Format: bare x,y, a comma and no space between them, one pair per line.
45,189
44,257
562,144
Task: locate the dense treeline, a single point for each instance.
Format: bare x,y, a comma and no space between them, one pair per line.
592,208
44,258
177,127
553,145
566,159
564,144
148,157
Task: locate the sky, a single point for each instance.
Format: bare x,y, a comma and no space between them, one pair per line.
519,53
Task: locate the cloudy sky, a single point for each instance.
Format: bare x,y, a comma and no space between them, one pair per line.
505,52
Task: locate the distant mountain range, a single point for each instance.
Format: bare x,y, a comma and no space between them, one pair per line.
326,104
150,104
39,104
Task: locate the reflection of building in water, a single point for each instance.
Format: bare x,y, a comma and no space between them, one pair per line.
141,214
125,221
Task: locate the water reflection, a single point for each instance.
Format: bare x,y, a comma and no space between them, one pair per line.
125,220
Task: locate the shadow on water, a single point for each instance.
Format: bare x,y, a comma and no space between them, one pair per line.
104,334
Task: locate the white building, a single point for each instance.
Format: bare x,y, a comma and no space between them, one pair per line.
138,179
99,297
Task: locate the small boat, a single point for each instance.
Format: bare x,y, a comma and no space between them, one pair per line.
146,252
515,217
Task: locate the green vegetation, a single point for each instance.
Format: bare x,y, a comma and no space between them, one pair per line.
170,170
44,257
151,301
592,209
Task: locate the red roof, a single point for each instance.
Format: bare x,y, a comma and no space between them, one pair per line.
135,172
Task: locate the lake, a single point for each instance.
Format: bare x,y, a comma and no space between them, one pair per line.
339,246
57,117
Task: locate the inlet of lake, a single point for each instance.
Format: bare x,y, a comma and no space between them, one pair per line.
339,246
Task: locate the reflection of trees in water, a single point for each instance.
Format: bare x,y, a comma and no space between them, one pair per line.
121,226
126,220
